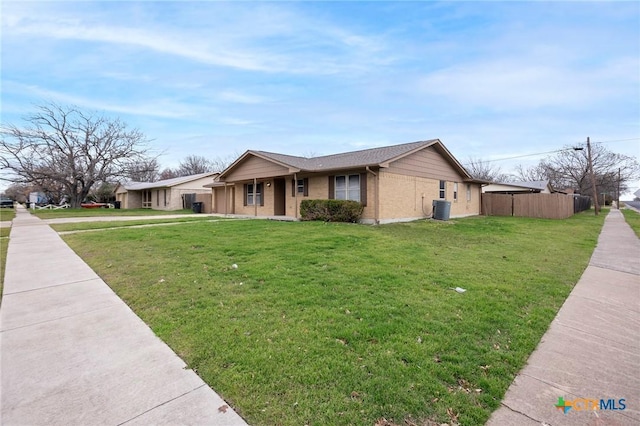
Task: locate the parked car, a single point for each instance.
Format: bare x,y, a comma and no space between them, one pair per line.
6,203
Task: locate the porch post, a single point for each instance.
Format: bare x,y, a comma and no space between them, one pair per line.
226,199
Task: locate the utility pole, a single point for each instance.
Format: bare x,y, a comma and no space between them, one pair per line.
593,178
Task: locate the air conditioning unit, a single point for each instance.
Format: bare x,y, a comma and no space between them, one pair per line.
441,209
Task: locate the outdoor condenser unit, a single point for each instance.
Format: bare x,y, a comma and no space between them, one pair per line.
441,209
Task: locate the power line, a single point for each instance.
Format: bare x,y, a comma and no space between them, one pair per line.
617,140
549,152
519,156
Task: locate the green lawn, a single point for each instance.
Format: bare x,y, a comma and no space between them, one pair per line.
348,324
82,226
54,214
4,245
7,214
632,217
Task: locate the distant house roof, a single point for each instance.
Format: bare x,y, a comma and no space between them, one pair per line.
535,184
368,157
166,183
531,186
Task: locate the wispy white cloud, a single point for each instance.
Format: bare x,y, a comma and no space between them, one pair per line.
251,45
160,108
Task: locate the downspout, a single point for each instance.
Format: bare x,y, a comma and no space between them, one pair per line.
255,201
376,212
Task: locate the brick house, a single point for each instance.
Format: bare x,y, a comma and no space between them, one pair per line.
168,194
394,183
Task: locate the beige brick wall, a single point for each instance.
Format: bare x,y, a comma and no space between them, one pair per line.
409,197
464,206
401,197
130,200
405,197
319,190
266,210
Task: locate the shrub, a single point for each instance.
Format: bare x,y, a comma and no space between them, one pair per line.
331,210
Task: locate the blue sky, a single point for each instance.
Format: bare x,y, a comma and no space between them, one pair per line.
492,80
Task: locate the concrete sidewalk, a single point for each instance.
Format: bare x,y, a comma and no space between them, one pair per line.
592,348
74,354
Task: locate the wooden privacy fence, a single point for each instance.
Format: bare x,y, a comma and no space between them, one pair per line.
545,206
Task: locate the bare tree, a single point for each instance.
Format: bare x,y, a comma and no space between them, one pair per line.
221,163
569,168
18,192
64,147
168,173
531,173
196,164
144,171
193,165
484,170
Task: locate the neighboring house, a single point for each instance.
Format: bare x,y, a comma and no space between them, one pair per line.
168,194
394,183
538,186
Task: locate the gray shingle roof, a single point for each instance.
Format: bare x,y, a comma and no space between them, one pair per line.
365,157
136,186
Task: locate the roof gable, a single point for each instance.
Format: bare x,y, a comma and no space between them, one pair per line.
381,157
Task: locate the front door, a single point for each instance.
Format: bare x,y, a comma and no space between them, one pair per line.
279,196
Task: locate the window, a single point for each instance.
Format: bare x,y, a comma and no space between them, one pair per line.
468,192
146,199
443,189
300,186
455,191
250,194
347,187
157,197
165,198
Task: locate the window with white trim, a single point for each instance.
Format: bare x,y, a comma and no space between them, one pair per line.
468,192
347,187
443,189
455,191
250,194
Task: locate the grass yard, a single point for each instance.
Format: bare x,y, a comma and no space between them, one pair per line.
4,245
349,324
632,217
7,214
83,226
54,214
